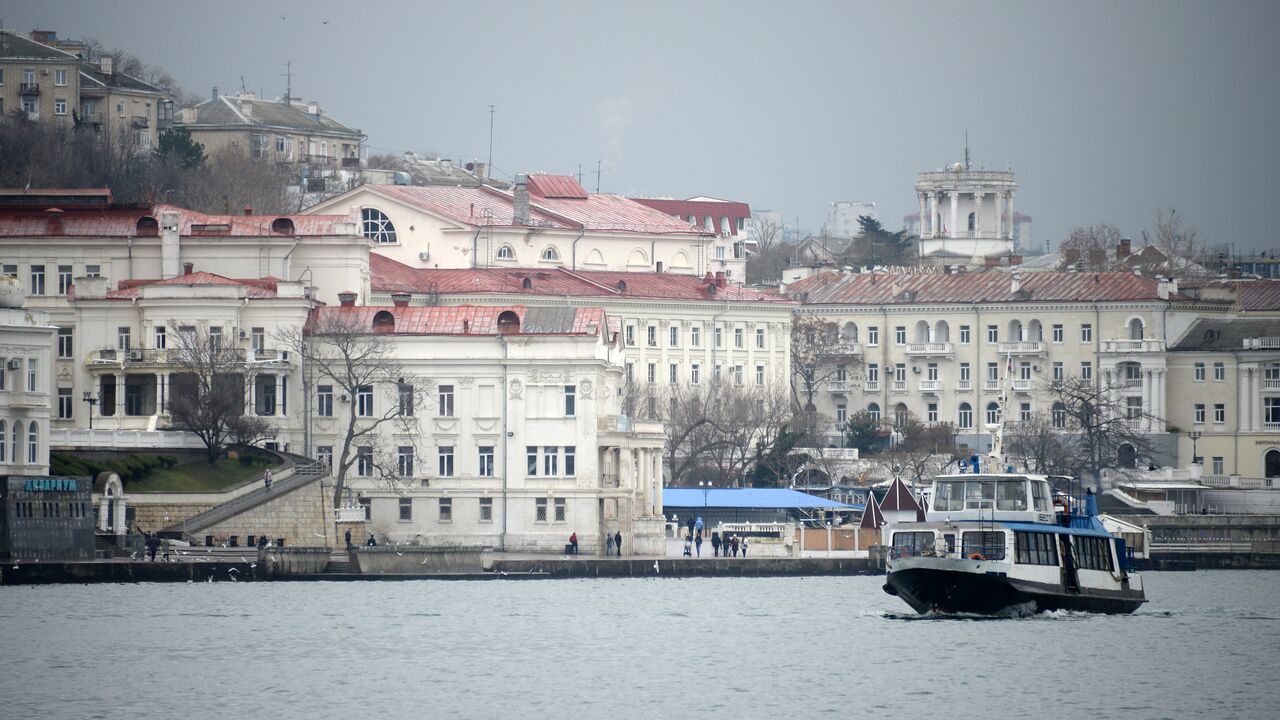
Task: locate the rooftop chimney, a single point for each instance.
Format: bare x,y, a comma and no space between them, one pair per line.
188,268
347,299
213,94
1015,281
400,299
1123,249
54,216
107,65
521,200
248,209
719,278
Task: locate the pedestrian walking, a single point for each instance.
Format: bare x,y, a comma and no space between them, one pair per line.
266,479
744,547
348,536
688,546
697,543
617,542
733,542
608,544
715,544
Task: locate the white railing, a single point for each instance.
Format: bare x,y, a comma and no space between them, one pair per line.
1262,343
964,385
1271,426
1131,383
1271,383
899,386
838,386
929,348
82,438
348,514
990,385
871,386
1132,346
1020,347
930,385
1023,385
844,347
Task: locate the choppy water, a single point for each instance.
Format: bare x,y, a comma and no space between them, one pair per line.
1207,646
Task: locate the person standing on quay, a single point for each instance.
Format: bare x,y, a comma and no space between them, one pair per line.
744,547
697,543
608,544
715,544
266,479
617,542
348,536
573,542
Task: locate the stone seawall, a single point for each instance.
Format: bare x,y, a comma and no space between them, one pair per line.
402,560
676,567
301,517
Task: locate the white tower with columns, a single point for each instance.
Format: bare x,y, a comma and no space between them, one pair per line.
965,214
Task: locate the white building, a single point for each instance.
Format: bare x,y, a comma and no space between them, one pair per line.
842,218
966,214
26,362
547,222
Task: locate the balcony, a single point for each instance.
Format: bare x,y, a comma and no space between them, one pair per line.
838,386
140,122
1273,427
351,163
1131,383
842,347
964,386
1271,384
1021,347
1021,385
927,349
899,386
28,89
930,386
990,385
317,159
1148,345
268,356
26,399
91,118
871,386
1262,343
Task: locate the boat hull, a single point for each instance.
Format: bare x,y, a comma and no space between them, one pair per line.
933,589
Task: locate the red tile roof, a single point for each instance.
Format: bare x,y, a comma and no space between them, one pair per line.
831,288
702,209
480,206
556,186
467,319
390,276
256,288
122,221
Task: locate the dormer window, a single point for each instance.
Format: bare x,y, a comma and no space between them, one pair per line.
282,226
376,226
526,284
506,253
384,322
551,254
508,322
622,286
147,227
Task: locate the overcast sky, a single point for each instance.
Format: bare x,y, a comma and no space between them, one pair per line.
1104,110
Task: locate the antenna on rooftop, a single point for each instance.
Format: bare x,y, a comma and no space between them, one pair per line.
243,89
966,149
491,111
288,83
598,177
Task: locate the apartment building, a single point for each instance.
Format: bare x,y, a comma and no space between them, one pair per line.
285,131
39,80
727,219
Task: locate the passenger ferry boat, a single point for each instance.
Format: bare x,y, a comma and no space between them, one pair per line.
996,543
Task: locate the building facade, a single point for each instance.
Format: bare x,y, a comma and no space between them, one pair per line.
726,219
26,369
966,214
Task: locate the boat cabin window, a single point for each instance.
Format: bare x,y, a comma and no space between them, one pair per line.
1034,548
1041,497
1011,495
955,495
989,545
1093,553
912,543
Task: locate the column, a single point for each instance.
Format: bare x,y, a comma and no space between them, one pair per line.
120,396
1148,378
999,215
1158,401
1009,210
955,212
977,213
1243,416
1254,396
924,219
935,199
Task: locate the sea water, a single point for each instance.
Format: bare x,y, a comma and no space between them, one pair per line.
1207,645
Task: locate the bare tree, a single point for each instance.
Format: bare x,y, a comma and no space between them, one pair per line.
766,233
918,450
818,354
340,348
1038,445
715,430
1098,424
206,395
1094,247
1174,237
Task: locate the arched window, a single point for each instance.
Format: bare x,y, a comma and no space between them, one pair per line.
526,284
551,254
1127,456
922,332
508,322
1035,332
942,332
965,417
900,415
33,442
1135,329
147,227
850,332
3,429
874,411
506,253
384,322
283,226
993,413
973,221
1015,331
1271,462
622,286
376,226
1059,415
17,441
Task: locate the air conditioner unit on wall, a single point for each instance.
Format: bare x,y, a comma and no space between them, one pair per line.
424,255
14,364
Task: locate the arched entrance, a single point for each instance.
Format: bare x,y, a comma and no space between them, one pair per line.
1271,461
1127,457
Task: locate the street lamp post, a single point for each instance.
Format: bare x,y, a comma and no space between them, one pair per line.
92,400
1194,435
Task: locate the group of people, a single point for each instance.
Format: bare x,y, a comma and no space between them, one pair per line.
613,544
730,544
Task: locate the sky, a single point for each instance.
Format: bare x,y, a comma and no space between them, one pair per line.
1105,111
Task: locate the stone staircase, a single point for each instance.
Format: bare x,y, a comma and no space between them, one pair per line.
305,472
339,564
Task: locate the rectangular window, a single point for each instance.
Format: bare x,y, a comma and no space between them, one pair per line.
759,338
1086,370
445,457
364,461
1218,465
900,335
60,77
873,335
931,371
989,545
993,334
673,374
631,371
737,374
364,401
37,279
673,336
1086,333
404,461
258,339
486,509
324,400
965,372
719,337
1024,412
966,335
161,338
324,453
122,338
551,460
737,337
406,509
93,270
446,510
1034,548
653,335
1093,553
1199,372
1219,413
485,461
759,375
695,336
60,106
695,373
1058,334
570,400
1219,372
842,373
873,373
65,348
1024,371
570,460
562,509
653,373
842,412
1270,409
630,335
993,372
1198,417
66,404
716,375
931,412
64,279
1133,408
531,454
446,401
215,338
1059,372
540,510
